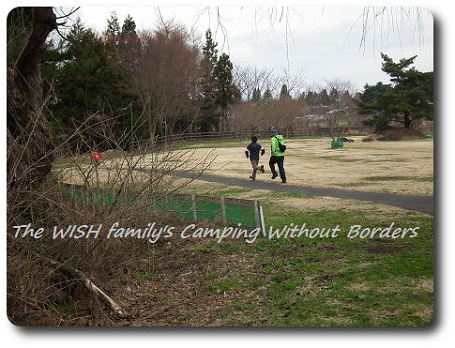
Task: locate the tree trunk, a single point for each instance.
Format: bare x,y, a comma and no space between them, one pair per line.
29,133
407,120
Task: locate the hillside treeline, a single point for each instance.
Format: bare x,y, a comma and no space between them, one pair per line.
136,85
132,86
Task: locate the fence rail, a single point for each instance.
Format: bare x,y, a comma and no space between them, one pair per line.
170,139
176,138
195,136
263,132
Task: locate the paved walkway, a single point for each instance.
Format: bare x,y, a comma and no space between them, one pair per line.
423,204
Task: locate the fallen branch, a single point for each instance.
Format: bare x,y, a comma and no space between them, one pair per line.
87,282
94,289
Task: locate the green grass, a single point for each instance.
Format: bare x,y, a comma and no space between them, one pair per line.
305,282
387,281
140,275
327,282
308,282
221,287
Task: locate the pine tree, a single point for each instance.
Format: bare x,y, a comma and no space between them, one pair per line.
209,50
209,113
284,94
334,96
87,84
409,97
129,26
76,31
373,104
129,48
256,94
267,94
113,26
224,87
324,98
218,89
311,98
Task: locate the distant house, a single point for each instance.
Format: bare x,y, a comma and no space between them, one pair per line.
313,118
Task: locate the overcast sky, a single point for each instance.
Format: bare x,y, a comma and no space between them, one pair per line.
324,42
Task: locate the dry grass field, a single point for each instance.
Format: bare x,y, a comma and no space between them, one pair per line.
400,167
340,282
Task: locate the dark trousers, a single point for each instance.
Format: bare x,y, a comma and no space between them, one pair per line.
280,161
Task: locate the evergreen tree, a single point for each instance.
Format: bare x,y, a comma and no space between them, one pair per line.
256,94
209,112
76,31
224,87
311,98
372,104
334,96
218,89
268,94
209,50
284,94
409,97
113,26
129,26
87,85
324,98
129,48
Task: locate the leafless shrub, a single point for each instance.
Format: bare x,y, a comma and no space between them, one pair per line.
37,291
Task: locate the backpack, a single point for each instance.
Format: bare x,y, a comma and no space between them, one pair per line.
281,146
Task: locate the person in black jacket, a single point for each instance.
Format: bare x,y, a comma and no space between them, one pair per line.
252,152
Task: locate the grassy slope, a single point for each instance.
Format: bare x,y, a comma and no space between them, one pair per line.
300,282
303,282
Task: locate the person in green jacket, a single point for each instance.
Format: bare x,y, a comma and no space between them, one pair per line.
277,157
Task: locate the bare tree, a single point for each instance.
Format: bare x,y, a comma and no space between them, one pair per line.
41,274
250,78
294,82
340,103
165,78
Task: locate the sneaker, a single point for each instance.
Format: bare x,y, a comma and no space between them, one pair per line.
283,181
252,177
274,176
262,169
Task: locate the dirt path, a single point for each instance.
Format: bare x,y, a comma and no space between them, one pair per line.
423,204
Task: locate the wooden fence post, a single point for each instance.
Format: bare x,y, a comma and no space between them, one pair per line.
73,193
223,210
166,203
193,208
261,219
256,214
